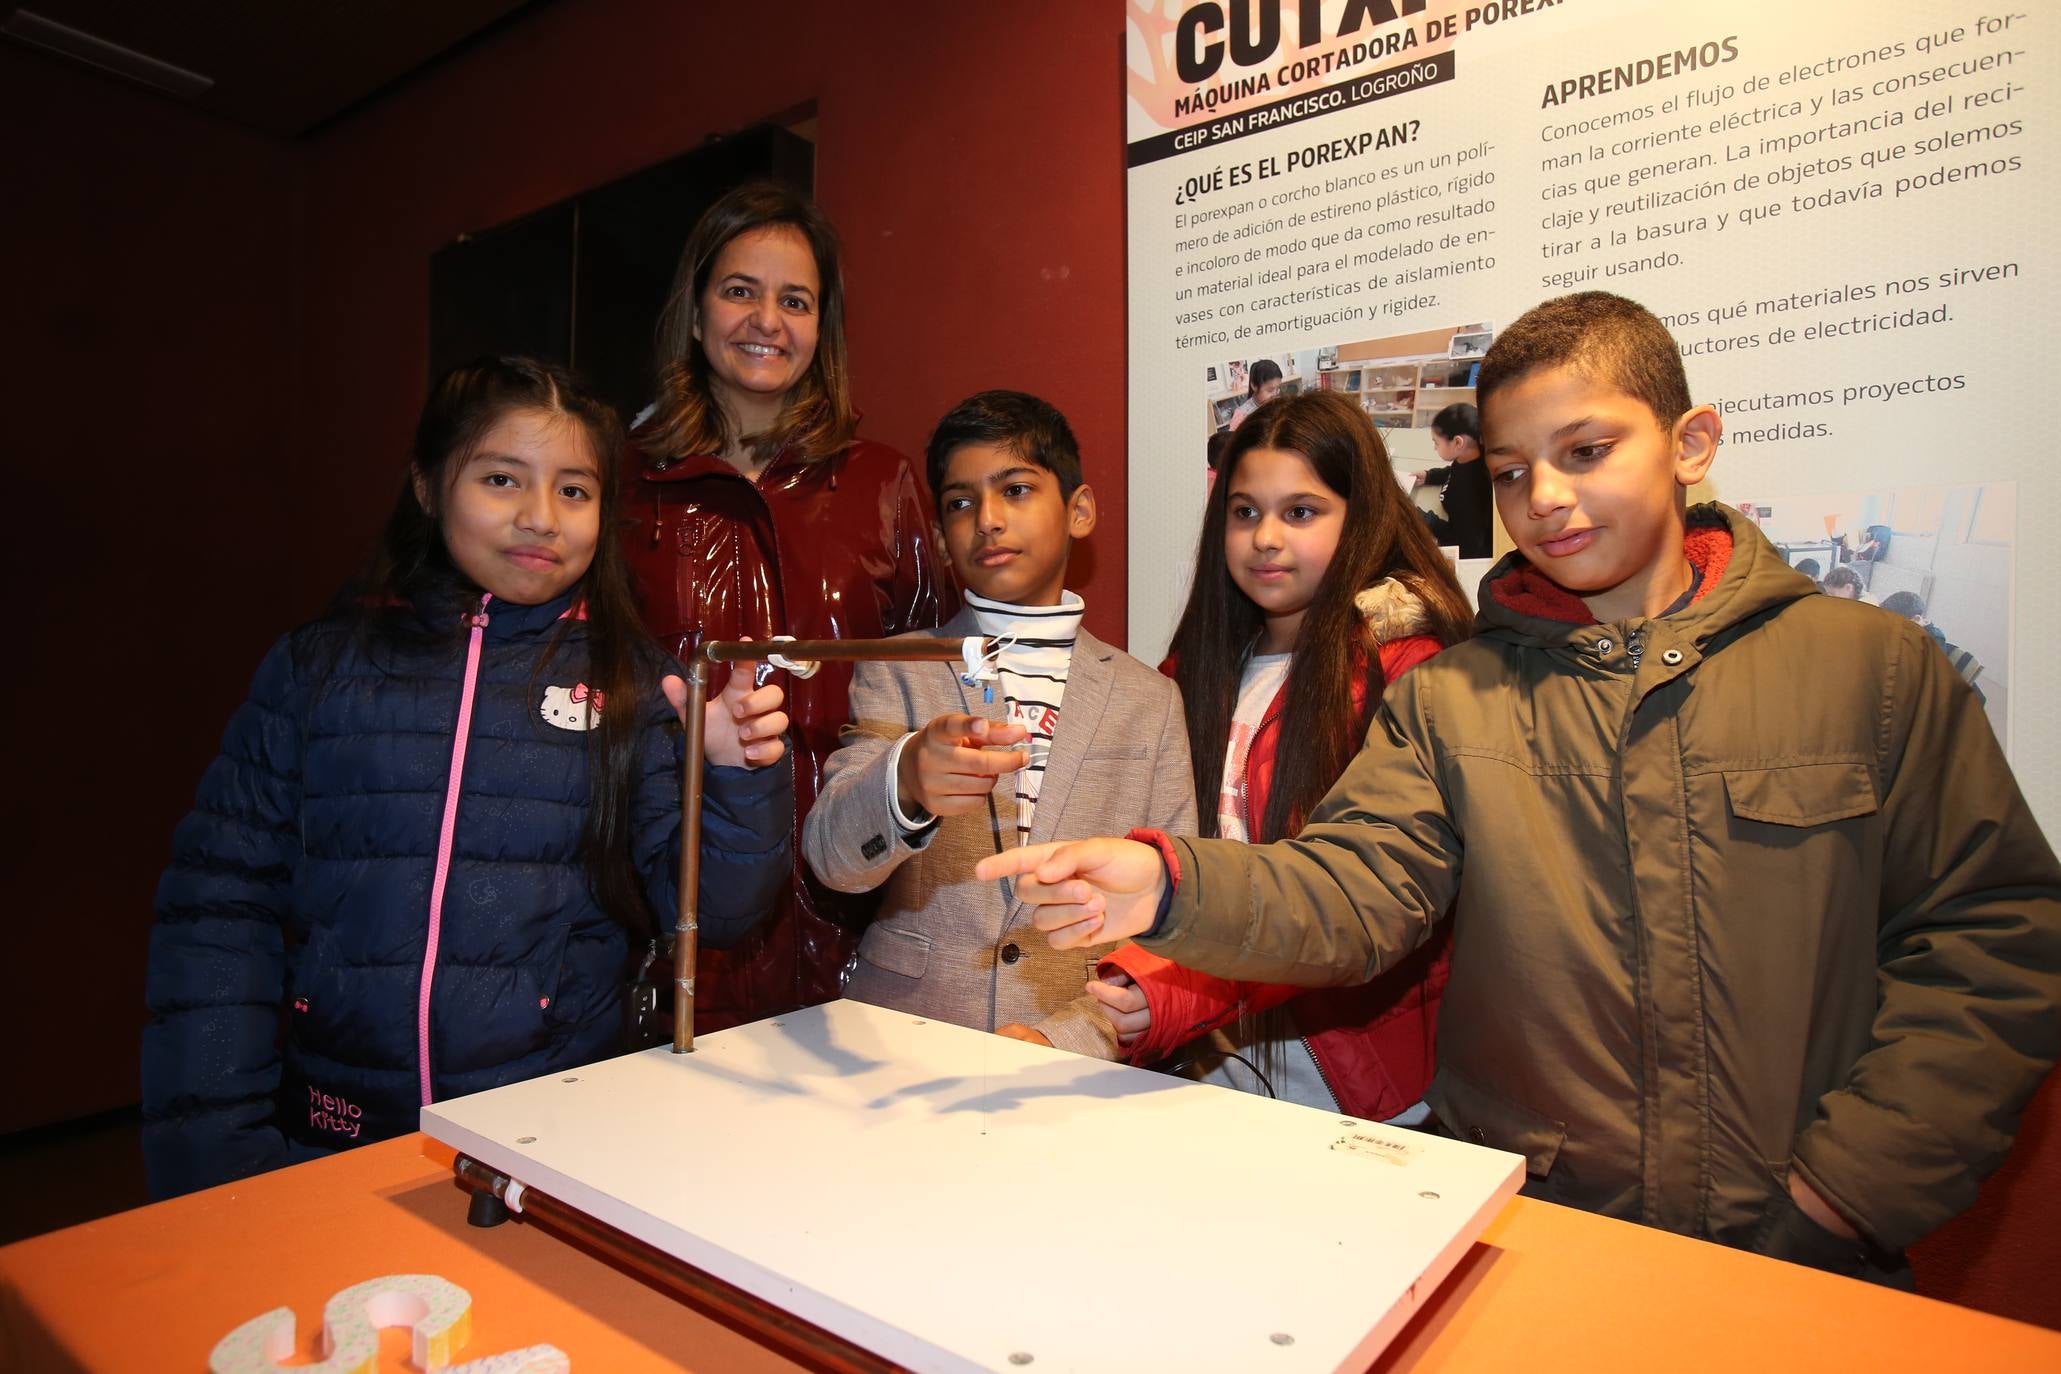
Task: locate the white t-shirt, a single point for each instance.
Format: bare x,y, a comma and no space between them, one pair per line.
1257,688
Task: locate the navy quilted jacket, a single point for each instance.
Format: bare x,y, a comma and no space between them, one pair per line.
295,965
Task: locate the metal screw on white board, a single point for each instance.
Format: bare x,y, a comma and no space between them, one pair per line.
1282,1338
572,1079
925,1023
778,1024
1347,1121
1428,1194
525,1140
1021,1356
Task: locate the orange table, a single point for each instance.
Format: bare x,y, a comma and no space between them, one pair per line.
1545,1289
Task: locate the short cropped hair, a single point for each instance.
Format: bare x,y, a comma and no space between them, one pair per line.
1809,567
1007,419
1909,605
1844,577
1602,337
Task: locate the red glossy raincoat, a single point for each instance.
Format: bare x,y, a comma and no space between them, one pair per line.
839,548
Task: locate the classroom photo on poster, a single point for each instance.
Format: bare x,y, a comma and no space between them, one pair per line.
1938,556
1400,380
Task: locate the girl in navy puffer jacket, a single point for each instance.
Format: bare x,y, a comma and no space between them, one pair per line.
444,821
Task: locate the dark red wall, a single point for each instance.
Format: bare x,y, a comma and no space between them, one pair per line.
146,346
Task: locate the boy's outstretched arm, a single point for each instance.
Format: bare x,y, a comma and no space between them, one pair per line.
1969,947
1356,891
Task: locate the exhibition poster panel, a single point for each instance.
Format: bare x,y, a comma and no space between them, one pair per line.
1843,211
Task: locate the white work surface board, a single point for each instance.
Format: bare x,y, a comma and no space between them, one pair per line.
955,1200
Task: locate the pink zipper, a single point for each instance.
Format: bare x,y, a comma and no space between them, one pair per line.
444,838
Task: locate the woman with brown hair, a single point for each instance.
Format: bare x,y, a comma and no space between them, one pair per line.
758,512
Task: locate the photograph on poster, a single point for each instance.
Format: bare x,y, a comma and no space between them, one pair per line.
1402,380
1233,390
1940,556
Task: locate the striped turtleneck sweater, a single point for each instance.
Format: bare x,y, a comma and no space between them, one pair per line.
1034,653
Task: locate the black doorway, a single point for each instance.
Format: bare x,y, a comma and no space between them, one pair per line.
582,282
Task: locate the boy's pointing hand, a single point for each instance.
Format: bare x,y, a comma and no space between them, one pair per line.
947,768
1084,892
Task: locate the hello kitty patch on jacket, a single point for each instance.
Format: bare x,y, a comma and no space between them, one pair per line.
577,707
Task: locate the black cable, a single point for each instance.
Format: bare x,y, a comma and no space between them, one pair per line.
1176,1064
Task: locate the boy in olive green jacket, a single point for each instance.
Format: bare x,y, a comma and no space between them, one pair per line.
1773,965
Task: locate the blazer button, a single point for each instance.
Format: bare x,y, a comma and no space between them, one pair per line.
1010,953
1480,1136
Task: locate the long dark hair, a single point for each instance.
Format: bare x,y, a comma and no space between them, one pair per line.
817,418
1383,536
414,593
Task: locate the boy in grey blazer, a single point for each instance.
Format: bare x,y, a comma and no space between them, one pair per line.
1074,738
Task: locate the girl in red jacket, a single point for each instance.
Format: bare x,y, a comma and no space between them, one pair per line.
1315,585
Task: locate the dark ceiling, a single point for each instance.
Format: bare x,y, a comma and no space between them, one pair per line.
283,67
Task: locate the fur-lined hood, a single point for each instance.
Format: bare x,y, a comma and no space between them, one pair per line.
1392,611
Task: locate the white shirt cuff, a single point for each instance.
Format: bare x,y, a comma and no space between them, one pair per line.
894,792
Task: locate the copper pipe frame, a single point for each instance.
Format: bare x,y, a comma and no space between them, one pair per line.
687,924
687,930
799,1340
906,649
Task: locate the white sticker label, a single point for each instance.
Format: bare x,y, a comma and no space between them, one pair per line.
1388,1149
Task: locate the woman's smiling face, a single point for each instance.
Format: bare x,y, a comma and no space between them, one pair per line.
758,317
